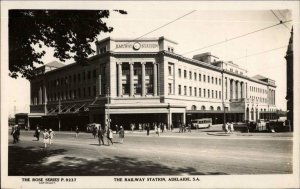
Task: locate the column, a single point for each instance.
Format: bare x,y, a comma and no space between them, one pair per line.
237,89
120,79
154,79
40,96
131,79
183,118
246,90
45,95
233,89
274,97
143,79
242,90
169,120
99,85
45,99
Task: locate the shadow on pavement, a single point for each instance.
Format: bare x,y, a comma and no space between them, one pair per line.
32,162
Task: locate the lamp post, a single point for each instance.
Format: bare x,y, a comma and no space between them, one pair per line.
223,101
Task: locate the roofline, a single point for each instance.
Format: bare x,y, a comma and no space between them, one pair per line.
132,39
164,52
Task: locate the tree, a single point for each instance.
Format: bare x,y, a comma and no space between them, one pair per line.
68,32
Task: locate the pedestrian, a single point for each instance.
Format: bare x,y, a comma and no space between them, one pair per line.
15,133
77,131
162,126
94,131
117,128
189,127
231,127
226,128
37,133
46,137
158,130
132,127
148,129
109,136
121,134
100,136
171,127
51,136
140,127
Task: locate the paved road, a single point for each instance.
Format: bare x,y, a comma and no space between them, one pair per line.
195,153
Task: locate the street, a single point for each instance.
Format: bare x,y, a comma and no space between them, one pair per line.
171,153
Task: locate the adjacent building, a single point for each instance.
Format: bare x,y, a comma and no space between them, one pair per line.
290,81
146,81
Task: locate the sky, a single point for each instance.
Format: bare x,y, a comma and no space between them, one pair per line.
195,31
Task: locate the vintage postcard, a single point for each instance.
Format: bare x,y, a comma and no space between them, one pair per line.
149,94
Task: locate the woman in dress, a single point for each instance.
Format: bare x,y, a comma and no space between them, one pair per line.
46,137
121,134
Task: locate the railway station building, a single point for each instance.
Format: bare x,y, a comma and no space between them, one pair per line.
146,81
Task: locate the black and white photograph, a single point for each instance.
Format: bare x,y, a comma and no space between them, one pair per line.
149,94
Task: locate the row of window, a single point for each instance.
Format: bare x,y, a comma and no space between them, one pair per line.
260,99
258,90
73,94
76,78
197,92
199,77
194,107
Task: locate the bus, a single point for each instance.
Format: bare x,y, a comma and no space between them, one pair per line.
202,123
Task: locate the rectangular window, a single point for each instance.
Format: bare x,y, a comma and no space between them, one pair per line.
204,78
89,91
179,72
212,80
212,93
199,92
216,94
195,76
184,74
199,77
195,91
208,79
170,70
170,88
94,90
204,93
179,89
89,75
208,93
94,74
190,73
191,91
220,95
219,81
184,90
83,76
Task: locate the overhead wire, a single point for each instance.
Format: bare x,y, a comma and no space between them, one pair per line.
279,19
161,26
237,37
263,52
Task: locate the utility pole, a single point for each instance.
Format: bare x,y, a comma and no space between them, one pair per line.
108,101
223,101
59,110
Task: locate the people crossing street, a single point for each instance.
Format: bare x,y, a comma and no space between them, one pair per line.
100,136
51,136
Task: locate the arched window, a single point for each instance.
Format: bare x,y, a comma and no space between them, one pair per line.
202,107
218,108
211,108
194,107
